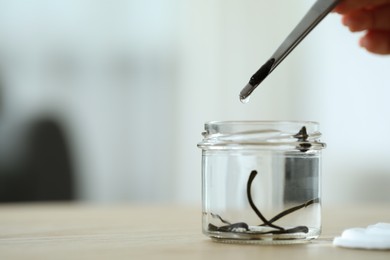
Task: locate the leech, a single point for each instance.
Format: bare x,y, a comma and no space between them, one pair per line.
252,204
302,134
302,137
244,227
291,210
220,218
230,228
302,229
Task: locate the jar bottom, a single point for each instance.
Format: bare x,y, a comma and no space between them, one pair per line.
253,237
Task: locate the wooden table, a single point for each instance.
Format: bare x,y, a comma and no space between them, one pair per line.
78,231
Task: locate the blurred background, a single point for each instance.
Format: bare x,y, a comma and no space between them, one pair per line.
104,101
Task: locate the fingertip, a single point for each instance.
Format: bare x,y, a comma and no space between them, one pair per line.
367,43
363,42
346,20
376,42
353,22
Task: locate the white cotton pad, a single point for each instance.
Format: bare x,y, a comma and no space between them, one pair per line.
373,237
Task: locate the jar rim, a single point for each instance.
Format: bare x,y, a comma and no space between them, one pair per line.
260,122
299,135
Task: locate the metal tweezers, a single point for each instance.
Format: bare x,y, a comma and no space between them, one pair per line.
316,13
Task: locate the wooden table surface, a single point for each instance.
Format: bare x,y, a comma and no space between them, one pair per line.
79,231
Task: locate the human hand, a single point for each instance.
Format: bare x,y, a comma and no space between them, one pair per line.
371,16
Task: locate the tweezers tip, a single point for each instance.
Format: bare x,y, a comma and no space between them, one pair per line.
256,79
246,91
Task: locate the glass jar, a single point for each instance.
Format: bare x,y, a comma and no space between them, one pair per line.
261,181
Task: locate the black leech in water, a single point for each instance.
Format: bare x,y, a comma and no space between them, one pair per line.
252,204
243,227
